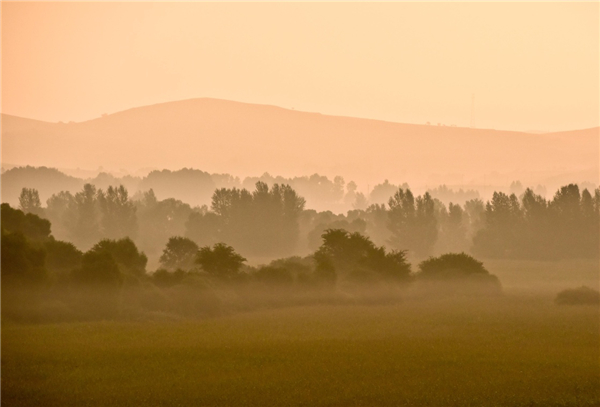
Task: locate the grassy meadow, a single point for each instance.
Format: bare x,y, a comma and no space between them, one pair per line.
519,349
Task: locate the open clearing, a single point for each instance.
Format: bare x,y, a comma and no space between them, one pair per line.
514,350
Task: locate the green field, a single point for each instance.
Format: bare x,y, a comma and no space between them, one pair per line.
508,351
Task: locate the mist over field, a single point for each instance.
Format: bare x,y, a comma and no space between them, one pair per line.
268,204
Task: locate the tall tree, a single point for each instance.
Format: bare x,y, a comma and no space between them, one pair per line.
85,230
60,211
29,201
502,227
118,213
412,222
262,222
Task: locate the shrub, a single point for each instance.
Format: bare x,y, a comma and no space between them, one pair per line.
578,296
460,272
274,275
451,266
166,278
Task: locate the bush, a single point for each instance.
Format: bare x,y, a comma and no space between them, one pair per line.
451,266
166,278
460,271
578,296
98,268
272,275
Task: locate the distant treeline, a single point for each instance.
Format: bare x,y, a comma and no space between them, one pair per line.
272,222
196,187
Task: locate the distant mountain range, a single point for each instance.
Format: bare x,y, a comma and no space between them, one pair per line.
242,139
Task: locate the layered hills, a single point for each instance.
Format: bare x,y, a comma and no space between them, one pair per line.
242,139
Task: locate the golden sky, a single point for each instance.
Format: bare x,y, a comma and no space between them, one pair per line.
530,66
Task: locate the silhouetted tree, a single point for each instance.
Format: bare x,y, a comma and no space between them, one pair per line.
450,265
412,222
29,225
474,209
126,255
220,261
118,213
503,225
565,227
315,236
537,234
29,201
60,212
23,263
159,220
354,256
85,230
452,230
426,230
99,269
180,253
578,296
401,217
62,257
263,222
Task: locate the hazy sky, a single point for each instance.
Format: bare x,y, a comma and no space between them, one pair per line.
531,66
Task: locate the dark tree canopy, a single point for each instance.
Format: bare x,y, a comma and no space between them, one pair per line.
125,254
31,226
62,257
98,268
578,296
180,253
220,261
354,256
451,265
22,262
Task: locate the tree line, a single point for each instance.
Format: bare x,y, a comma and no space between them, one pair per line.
111,280
272,221
196,187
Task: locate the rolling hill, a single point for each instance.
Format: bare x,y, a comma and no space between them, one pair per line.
222,136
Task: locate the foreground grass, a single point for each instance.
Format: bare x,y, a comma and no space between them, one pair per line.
508,352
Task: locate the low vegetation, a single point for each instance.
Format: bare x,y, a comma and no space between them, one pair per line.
578,296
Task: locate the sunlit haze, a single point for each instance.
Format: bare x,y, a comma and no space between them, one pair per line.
515,66
300,204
